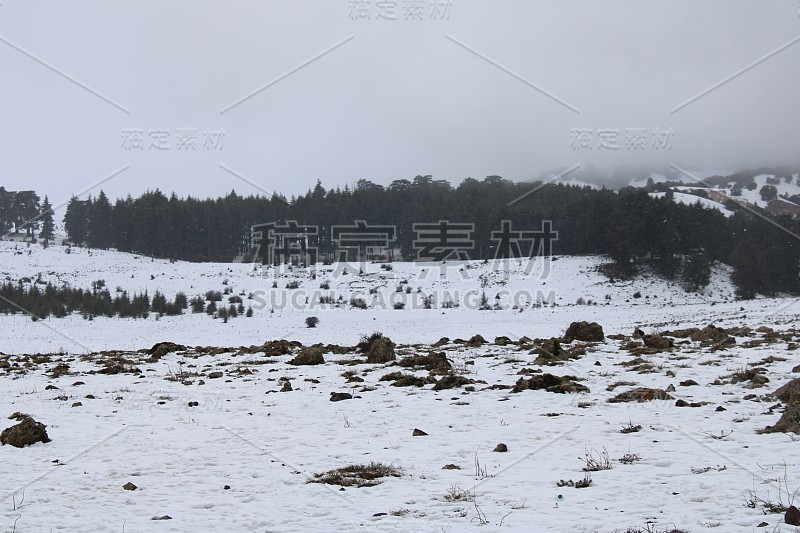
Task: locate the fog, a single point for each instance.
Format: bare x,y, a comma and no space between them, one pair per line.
281,94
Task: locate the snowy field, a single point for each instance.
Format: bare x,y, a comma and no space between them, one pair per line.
212,444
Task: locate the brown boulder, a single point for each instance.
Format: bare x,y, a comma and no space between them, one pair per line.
163,348
657,342
309,356
434,362
641,394
452,381
789,421
584,331
476,341
27,432
789,392
339,396
550,383
792,516
379,349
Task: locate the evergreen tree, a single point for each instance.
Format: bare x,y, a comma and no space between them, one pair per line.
47,233
76,220
697,271
749,270
98,231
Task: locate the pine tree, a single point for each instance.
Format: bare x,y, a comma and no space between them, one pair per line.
749,270
76,220
697,271
47,233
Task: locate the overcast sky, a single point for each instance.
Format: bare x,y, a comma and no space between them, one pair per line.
475,88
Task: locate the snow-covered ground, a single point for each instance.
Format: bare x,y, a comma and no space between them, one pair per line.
691,199
697,464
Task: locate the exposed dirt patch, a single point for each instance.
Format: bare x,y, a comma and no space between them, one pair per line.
358,475
641,394
407,380
434,362
452,381
550,383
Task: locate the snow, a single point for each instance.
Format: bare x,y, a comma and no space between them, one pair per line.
690,199
642,182
266,445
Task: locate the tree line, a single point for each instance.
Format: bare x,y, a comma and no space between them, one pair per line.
637,231
21,211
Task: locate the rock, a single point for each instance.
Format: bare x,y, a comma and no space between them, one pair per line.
502,341
227,487
476,341
688,383
129,486
670,388
597,363
434,362
452,381
451,467
657,342
77,404
27,432
719,409
670,374
792,516
309,356
379,349
500,448
789,421
114,368
584,331
796,369
165,517
550,383
407,380
441,342
339,396
163,348
641,394
278,347
51,387
789,392
418,433
59,370
287,387
215,375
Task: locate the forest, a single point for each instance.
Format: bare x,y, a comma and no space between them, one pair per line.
637,231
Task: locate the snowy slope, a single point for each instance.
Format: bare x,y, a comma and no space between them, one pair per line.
691,199
280,312
696,464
